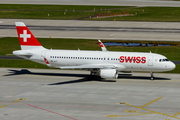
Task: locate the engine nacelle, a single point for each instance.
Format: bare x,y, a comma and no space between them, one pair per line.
108,73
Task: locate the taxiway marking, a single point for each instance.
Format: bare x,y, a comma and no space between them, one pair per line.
3,106
52,112
144,113
19,100
14,102
151,102
131,111
128,115
176,114
122,103
154,112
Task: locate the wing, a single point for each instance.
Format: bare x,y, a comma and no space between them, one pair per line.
96,66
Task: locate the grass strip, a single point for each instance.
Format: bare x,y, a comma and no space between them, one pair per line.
62,12
21,64
76,12
9,44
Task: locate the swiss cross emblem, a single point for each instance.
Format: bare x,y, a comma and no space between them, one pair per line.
25,35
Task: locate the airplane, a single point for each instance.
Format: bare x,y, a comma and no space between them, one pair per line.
105,64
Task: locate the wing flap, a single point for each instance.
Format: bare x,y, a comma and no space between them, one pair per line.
81,67
95,66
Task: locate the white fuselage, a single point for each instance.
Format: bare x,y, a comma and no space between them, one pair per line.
124,61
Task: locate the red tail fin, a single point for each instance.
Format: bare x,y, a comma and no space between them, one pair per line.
26,38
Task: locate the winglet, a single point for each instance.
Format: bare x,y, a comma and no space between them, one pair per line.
102,46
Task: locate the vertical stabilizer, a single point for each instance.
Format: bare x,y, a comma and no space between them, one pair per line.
26,38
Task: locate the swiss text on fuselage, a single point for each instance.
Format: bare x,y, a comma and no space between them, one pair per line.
132,59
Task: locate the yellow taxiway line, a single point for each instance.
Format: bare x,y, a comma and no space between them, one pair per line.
144,113
151,102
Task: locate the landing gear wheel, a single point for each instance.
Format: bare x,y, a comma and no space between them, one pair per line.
91,76
92,73
152,76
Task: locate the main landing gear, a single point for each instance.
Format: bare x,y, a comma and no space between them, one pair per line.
152,76
93,76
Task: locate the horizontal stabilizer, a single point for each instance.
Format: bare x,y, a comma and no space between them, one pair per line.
22,53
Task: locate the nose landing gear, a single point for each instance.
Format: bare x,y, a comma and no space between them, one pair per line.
152,76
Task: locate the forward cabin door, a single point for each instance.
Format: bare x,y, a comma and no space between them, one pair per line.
150,60
107,59
43,56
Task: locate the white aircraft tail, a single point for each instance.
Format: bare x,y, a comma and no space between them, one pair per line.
26,38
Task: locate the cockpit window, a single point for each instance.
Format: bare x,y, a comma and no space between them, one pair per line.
166,59
163,60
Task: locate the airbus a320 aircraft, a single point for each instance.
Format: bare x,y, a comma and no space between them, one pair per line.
106,64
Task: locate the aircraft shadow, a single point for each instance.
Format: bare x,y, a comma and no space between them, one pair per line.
25,71
85,77
129,76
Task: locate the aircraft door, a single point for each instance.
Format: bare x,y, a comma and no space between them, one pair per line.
43,56
107,59
150,60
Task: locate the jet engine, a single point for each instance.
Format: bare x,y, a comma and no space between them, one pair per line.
108,73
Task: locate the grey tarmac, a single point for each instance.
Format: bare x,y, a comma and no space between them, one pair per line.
111,30
44,94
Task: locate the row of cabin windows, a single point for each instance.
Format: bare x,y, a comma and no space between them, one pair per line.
91,58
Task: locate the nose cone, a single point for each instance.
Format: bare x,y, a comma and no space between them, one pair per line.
171,66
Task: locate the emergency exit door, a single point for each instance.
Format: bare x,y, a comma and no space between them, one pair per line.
150,61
